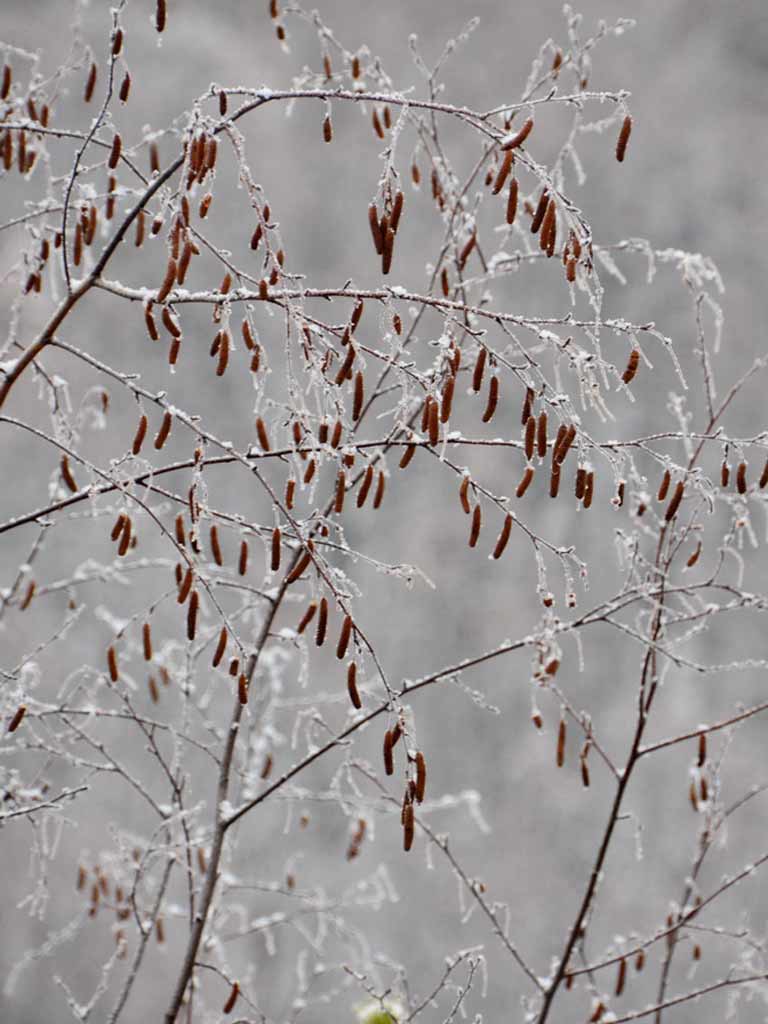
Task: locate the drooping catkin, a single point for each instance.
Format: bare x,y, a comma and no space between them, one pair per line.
763,476
493,398
341,489
565,447
164,431
408,827
503,539
389,761
344,637
168,281
215,545
67,475
501,177
408,453
221,647
541,434
540,211
664,485
365,486
307,617
352,690
90,82
561,734
530,436
300,566
322,622
381,484
261,432
512,202
18,715
125,537
525,482
725,474
114,674
634,361
421,777
242,563
229,1005
741,478
192,607
477,518
517,140
589,488
674,504
358,395
554,480
479,370
146,636
621,144
621,977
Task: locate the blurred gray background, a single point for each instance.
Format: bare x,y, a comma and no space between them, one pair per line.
693,179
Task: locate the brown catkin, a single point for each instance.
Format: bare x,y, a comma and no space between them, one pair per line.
7,79
229,1006
389,761
477,519
215,546
344,636
223,360
561,732
307,617
433,422
410,451
221,647
242,563
493,398
589,488
146,638
242,689
540,211
15,722
621,144
381,484
299,568
327,128
365,487
66,474
168,281
501,177
421,777
117,529
565,447
352,690
341,487
90,83
386,256
525,482
125,538
581,480
530,437
446,400
664,485
632,365
518,139
501,543
408,827
479,370
114,153
725,474
464,494
562,431
149,320
114,675
261,431
527,404
275,549
466,252
741,478
541,434
164,431
27,599
674,504
322,622
554,480
512,201
548,226
693,558
373,220
194,601
160,15
359,395
763,476
621,977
